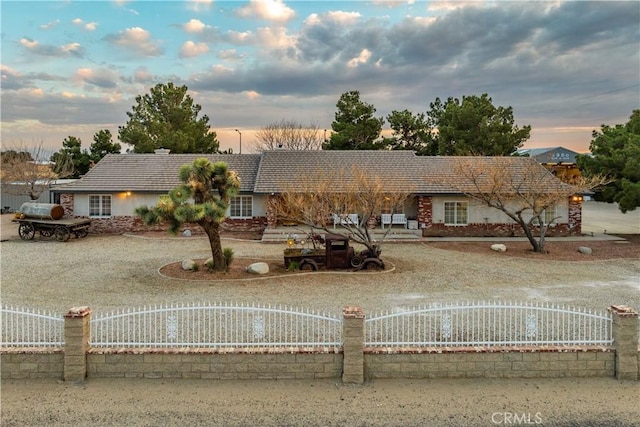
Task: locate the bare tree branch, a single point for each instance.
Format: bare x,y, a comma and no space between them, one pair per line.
289,135
520,188
29,172
316,197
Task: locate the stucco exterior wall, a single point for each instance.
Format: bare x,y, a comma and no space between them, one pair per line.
484,221
479,213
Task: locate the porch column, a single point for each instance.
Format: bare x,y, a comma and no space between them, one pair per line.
272,220
575,215
425,211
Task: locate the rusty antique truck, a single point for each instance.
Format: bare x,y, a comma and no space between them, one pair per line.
336,254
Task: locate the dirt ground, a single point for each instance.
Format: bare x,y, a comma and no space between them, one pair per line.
113,402
555,250
478,402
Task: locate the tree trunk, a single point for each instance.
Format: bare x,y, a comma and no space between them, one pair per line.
532,239
538,247
212,229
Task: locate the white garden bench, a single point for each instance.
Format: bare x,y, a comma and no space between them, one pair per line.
350,220
393,219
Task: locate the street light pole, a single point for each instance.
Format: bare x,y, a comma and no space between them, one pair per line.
240,140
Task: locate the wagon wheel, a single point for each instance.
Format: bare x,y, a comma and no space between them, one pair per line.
62,234
26,231
46,232
81,233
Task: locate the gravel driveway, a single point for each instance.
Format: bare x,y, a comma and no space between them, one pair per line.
109,272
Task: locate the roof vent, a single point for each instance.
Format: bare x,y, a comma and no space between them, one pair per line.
162,151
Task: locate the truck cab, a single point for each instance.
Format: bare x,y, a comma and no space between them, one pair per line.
338,251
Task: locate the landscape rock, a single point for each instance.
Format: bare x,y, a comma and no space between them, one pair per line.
499,247
258,268
186,233
188,264
585,250
209,261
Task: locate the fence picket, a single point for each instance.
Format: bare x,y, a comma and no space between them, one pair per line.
490,324
228,324
23,327
215,326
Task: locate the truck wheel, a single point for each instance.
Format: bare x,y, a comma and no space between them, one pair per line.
309,265
356,261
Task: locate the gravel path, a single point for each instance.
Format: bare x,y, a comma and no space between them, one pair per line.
108,272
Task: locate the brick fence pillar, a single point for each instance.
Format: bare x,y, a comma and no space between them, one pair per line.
625,341
353,343
76,343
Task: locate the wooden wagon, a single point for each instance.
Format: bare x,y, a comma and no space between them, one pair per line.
46,219
61,229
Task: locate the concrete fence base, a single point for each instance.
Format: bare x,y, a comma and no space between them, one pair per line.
353,362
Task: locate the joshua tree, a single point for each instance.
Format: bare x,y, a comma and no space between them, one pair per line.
202,199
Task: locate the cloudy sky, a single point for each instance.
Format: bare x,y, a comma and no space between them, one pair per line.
75,67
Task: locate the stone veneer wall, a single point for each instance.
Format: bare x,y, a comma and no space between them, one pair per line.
491,230
379,363
211,364
490,363
32,363
575,216
425,211
129,224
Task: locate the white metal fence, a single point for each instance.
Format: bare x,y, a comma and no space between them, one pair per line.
489,324
244,325
23,327
216,326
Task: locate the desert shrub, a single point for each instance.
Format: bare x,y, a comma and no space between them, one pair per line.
228,254
293,266
196,267
210,264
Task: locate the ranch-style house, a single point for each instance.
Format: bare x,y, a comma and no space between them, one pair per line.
113,188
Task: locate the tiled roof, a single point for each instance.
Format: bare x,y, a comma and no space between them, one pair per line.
273,171
440,174
155,172
279,168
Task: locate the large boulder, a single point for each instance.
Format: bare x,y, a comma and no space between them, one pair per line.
258,268
188,264
585,250
499,247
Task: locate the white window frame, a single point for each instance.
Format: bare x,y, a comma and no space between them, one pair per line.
243,200
458,204
548,215
101,206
